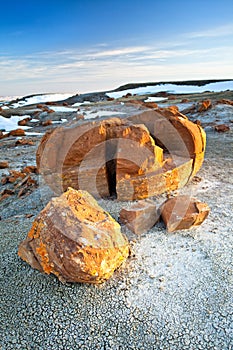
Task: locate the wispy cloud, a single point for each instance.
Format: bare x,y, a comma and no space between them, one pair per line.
105,67
120,51
220,31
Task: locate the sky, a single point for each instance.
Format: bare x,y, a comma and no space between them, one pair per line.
84,46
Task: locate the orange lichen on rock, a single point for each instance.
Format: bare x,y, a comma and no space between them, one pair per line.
75,239
42,256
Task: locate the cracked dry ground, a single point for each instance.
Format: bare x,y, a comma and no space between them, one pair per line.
175,292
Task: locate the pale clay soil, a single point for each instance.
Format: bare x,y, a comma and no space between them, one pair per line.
174,292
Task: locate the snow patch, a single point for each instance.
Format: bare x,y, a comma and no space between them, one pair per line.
9,124
63,109
59,121
92,115
77,104
155,99
41,98
175,89
34,133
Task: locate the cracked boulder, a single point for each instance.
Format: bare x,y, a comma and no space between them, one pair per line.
96,155
183,212
132,158
75,239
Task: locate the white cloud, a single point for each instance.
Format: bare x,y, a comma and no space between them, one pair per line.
119,52
220,31
103,67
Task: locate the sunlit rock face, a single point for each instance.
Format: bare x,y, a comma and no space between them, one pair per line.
147,154
75,239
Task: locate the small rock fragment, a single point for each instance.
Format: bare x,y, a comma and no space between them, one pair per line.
75,239
183,212
225,101
47,123
221,128
4,165
23,142
28,216
5,194
30,169
24,121
206,104
150,105
140,217
17,132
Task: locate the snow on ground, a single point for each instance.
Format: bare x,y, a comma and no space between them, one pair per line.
28,133
77,104
9,124
59,121
155,99
41,98
95,114
9,98
63,109
175,89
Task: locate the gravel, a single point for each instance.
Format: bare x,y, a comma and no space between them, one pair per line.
174,292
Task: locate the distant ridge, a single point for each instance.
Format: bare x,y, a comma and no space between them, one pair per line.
187,82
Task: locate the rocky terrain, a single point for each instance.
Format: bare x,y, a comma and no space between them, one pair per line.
175,289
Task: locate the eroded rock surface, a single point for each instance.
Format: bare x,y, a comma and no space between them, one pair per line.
75,239
137,157
95,155
183,212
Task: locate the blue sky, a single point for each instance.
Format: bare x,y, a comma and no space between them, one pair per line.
79,46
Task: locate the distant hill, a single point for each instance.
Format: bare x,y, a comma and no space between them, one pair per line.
187,82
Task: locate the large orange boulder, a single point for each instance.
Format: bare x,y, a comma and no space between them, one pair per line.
175,133
150,153
75,239
95,155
